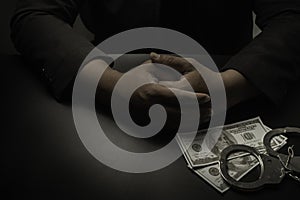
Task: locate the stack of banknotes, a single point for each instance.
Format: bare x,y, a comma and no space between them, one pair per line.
205,162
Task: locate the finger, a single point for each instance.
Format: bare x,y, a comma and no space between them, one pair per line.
165,95
172,84
188,96
182,85
147,62
177,63
160,72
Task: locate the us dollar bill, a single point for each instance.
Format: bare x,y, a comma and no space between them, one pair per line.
239,165
249,132
237,168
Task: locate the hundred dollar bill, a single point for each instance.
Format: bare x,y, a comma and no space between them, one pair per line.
237,168
249,132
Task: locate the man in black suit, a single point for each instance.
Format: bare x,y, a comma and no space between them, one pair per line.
266,65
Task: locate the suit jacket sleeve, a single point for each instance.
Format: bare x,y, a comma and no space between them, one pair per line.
42,32
271,62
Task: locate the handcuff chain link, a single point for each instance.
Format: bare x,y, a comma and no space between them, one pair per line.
296,178
285,165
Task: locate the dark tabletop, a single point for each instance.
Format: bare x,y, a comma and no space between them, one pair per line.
44,158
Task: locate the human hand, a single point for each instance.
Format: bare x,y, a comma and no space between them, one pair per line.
186,66
237,87
141,90
149,92
190,76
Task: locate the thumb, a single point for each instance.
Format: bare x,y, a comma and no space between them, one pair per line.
176,63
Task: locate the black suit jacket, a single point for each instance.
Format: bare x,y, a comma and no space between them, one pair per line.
42,32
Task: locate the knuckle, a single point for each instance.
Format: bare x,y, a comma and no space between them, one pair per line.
148,93
169,60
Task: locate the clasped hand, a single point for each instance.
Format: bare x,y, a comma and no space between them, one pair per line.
160,87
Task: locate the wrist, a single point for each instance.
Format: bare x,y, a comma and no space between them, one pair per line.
107,81
237,87
106,85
